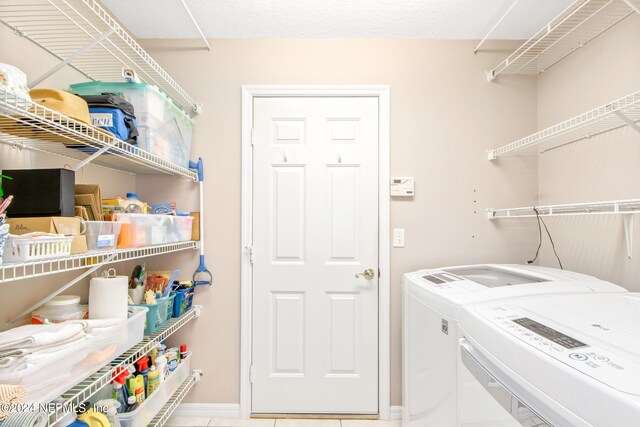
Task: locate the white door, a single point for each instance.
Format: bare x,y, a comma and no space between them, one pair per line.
315,226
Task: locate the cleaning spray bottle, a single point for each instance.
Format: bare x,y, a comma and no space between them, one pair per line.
120,390
110,408
161,366
143,368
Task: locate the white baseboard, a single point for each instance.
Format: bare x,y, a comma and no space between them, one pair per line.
232,410
211,410
395,413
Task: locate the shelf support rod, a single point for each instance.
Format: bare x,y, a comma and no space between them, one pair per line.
70,58
475,50
633,6
628,121
195,23
62,289
89,159
628,233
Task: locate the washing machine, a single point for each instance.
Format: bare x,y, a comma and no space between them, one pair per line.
432,299
554,360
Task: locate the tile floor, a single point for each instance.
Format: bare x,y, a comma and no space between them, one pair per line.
259,422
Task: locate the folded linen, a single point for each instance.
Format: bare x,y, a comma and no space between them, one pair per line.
50,348
10,395
38,335
35,354
96,325
26,419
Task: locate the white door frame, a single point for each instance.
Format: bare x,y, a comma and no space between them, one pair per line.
382,93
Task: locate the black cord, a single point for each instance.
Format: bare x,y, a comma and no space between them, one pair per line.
553,246
539,237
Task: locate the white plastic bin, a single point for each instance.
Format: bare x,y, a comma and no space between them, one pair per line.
102,235
154,403
25,249
165,129
147,229
47,381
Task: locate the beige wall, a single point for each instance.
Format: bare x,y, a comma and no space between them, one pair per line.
443,117
605,167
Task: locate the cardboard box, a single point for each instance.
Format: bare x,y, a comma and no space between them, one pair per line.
88,196
51,224
195,231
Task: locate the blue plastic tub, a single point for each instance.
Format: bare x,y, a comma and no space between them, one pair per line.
183,301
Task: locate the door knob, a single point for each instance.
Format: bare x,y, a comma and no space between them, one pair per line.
368,274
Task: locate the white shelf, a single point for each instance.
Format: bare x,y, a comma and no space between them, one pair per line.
619,113
26,124
617,207
83,31
161,418
25,270
577,25
91,385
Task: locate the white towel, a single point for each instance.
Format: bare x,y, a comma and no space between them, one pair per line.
20,352
96,325
38,335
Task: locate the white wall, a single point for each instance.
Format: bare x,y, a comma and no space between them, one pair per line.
604,167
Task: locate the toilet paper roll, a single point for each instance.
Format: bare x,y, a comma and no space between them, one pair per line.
108,297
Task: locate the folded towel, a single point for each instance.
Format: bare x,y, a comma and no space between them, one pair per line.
12,395
37,335
36,354
50,348
26,419
96,325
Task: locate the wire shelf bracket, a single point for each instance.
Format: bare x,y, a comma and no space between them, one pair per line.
91,385
622,112
572,29
626,208
83,35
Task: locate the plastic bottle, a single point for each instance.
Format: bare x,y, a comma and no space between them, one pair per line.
161,366
110,408
120,390
136,387
183,351
132,404
93,418
132,204
153,380
70,420
143,368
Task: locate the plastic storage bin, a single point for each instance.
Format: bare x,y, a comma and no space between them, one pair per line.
47,381
142,416
102,235
158,315
146,229
25,249
165,129
183,301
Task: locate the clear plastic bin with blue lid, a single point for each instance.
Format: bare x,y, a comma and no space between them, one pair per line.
165,129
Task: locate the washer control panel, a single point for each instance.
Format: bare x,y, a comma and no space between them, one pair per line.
614,370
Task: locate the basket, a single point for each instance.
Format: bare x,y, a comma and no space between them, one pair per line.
158,315
25,249
183,301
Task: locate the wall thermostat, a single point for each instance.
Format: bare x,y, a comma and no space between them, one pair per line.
402,186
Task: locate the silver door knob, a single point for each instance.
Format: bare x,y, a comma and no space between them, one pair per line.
368,274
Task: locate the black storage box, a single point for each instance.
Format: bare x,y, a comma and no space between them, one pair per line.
40,192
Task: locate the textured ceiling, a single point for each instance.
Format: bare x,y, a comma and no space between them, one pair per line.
365,19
